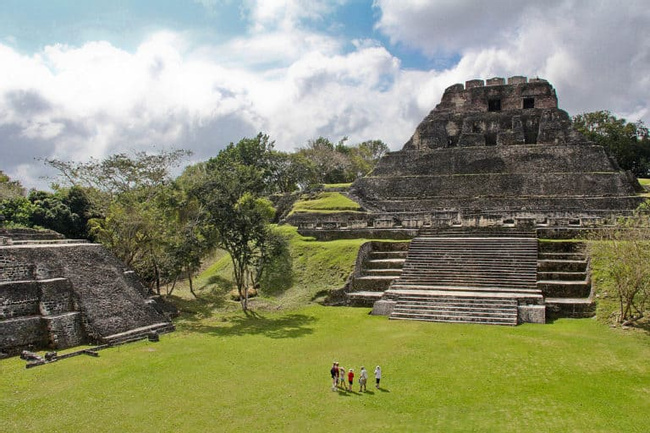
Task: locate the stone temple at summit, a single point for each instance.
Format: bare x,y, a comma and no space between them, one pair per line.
492,152
489,192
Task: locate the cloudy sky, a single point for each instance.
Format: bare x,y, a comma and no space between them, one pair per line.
88,79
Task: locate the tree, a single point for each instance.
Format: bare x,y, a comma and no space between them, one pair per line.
130,198
10,189
628,143
66,211
232,199
339,163
622,255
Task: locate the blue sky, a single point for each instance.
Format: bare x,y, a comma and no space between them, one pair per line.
82,79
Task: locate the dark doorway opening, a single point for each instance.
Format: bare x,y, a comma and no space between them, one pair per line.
490,139
494,104
529,103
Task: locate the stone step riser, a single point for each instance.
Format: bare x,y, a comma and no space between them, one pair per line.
379,255
499,313
382,264
562,276
466,319
473,288
456,261
562,266
486,272
472,248
381,272
374,285
462,302
566,291
464,282
445,315
562,247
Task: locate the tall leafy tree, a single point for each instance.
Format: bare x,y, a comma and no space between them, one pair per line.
232,196
621,256
130,195
627,142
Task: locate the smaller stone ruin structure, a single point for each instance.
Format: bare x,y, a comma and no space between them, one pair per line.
57,293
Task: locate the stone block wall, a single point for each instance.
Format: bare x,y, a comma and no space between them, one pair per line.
65,330
500,159
62,295
18,299
22,333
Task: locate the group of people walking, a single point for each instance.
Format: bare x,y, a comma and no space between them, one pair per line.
346,379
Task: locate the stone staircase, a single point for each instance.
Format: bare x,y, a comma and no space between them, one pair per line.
469,277
564,278
378,265
456,306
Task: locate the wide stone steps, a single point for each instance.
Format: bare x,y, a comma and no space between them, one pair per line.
381,266
563,278
459,309
465,232
473,288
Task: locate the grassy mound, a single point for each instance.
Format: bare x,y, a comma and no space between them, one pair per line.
325,202
234,373
307,270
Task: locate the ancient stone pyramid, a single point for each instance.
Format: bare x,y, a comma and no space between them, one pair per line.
493,153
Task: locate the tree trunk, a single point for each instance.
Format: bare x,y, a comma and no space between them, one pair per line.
189,277
170,291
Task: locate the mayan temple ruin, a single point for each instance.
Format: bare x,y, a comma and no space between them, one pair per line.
465,210
495,166
57,293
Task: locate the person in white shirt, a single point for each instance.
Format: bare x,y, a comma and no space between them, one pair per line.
377,376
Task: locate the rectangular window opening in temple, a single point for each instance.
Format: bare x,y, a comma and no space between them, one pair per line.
529,103
494,105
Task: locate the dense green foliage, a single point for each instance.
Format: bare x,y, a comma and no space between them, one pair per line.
66,210
271,373
628,143
338,163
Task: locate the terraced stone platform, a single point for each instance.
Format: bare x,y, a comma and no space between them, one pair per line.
452,276
57,294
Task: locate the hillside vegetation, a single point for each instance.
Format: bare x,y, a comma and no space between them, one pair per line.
305,273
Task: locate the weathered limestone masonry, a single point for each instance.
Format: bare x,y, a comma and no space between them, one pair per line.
494,153
59,293
493,165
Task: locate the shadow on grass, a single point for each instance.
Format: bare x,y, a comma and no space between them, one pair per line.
194,310
223,283
288,326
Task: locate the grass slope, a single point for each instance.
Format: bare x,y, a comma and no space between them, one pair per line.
310,268
326,202
231,373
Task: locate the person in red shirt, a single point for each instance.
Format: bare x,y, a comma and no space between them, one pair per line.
351,378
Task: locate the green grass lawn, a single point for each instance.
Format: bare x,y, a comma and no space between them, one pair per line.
326,202
228,373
